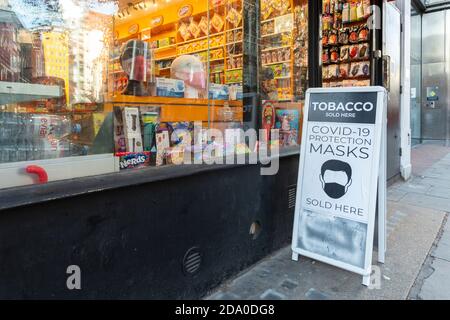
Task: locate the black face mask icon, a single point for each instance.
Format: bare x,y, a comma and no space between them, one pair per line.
333,189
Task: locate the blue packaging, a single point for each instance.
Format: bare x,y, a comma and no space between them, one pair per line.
169,88
219,91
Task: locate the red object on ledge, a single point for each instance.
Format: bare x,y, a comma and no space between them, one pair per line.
40,172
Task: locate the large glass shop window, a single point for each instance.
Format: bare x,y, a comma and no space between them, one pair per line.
53,79
95,86
283,67
176,70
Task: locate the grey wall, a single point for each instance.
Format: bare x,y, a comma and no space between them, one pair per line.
435,73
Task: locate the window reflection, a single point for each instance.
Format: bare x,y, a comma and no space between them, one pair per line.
53,77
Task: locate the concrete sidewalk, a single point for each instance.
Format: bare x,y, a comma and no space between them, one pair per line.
418,256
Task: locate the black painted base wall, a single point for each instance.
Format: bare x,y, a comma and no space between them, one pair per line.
130,242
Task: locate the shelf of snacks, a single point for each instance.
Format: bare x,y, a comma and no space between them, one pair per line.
300,51
345,42
217,41
276,62
166,58
211,31
283,24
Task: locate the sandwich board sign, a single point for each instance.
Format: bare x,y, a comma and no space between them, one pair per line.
342,178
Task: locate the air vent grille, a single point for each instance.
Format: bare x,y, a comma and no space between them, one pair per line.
192,261
292,192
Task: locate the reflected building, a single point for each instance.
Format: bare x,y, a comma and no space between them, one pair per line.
55,44
89,52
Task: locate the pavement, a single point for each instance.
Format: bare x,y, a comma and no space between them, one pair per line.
417,262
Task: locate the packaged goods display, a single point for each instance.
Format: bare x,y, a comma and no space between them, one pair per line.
233,76
169,88
287,121
345,42
300,51
215,37
129,160
219,92
284,38
284,60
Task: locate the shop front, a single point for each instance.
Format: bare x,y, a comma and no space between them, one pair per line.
129,134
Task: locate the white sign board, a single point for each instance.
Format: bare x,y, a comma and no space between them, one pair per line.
338,177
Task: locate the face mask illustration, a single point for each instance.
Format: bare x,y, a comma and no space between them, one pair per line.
336,178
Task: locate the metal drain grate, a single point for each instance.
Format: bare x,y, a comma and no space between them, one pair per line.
192,261
292,192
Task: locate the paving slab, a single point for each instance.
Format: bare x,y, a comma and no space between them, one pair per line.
441,192
426,201
415,185
437,285
426,181
442,250
437,173
395,194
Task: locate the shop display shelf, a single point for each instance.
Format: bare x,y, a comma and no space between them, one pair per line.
348,78
346,62
202,50
215,60
166,58
274,34
279,62
327,46
116,71
273,18
283,78
270,35
212,35
234,69
172,46
234,29
234,42
227,3
275,48
354,23
182,102
233,82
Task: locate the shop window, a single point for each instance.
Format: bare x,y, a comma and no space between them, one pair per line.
346,43
92,87
177,69
283,67
46,113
